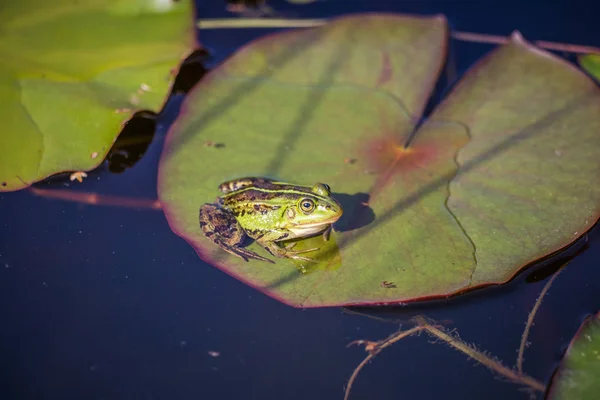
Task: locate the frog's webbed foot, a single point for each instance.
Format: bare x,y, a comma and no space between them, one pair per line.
287,252
242,253
290,246
221,227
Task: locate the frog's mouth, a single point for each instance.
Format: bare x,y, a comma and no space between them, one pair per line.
307,229
321,223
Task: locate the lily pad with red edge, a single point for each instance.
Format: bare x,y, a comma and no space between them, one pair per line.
577,377
500,174
71,73
591,63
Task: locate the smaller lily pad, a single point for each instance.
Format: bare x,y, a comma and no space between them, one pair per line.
72,73
579,373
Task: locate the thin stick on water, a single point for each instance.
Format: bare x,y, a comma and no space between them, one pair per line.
530,318
481,357
374,348
473,37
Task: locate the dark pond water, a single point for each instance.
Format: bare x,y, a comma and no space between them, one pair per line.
107,303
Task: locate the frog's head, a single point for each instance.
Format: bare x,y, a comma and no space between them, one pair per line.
312,211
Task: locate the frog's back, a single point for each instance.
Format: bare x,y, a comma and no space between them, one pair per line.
246,183
258,200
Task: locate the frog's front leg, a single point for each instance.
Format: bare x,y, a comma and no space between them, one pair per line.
221,227
272,247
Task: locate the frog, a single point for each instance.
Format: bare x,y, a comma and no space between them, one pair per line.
269,212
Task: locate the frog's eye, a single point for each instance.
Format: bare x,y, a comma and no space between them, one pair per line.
307,205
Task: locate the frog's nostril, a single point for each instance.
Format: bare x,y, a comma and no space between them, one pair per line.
328,207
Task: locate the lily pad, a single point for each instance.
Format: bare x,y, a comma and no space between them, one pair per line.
67,69
577,377
498,176
591,63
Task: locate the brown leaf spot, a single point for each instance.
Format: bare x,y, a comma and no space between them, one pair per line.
387,157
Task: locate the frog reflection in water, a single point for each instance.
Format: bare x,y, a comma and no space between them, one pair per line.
269,212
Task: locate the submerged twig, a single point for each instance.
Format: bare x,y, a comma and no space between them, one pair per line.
374,348
482,358
496,39
473,37
223,23
95,198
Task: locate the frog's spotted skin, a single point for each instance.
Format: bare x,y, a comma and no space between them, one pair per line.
268,212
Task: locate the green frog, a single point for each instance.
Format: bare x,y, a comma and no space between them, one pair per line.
268,212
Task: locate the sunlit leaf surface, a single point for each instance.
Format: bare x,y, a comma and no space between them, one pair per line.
501,174
577,377
71,73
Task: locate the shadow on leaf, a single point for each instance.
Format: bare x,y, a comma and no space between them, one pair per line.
357,212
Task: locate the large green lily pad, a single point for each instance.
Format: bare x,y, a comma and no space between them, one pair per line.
577,377
501,174
68,67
